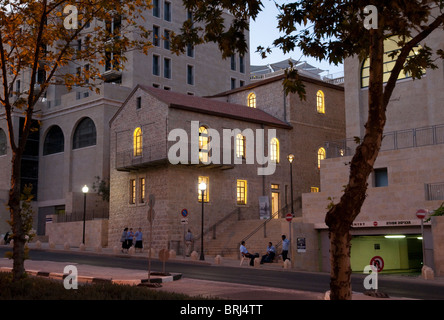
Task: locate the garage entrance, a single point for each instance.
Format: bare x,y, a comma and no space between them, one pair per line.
392,253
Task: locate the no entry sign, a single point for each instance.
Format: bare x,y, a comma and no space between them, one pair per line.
289,217
421,213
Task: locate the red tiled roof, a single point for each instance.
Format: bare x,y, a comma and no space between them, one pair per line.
214,107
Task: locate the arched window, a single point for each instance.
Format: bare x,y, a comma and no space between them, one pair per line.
321,156
240,146
274,150
390,48
54,141
320,102
3,142
85,134
137,142
251,100
204,146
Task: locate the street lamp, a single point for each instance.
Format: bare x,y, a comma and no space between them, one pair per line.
202,188
290,158
85,191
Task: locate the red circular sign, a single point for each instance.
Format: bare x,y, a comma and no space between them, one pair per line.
421,213
288,217
378,263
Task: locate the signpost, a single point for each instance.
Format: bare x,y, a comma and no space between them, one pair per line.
420,214
289,217
184,222
150,217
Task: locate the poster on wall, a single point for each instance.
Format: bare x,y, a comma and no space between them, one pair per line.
301,245
264,207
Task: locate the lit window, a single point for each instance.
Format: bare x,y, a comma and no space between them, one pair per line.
321,156
142,190
251,100
240,146
320,103
203,144
206,192
137,145
274,186
132,191
241,191
274,150
390,47
314,189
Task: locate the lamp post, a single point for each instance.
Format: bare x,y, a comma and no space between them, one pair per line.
202,188
290,158
85,191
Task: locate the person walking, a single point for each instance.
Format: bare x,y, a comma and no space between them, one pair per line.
130,238
123,240
139,240
285,247
188,242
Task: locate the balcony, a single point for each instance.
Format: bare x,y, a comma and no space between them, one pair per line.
395,140
149,156
156,154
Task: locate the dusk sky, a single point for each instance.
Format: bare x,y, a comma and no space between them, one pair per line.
264,30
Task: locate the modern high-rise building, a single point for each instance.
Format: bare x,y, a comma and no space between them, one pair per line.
71,147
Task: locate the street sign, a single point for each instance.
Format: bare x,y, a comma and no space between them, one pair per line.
184,221
378,263
421,213
289,217
184,213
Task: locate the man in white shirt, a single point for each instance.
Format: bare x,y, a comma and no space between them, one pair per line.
244,252
285,247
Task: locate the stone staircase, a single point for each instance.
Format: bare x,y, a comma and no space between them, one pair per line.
227,244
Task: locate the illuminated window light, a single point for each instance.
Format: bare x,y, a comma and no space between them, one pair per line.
394,236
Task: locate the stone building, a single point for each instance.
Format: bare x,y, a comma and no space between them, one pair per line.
408,175
144,138
71,148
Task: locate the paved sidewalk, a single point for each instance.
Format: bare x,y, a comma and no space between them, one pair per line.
176,282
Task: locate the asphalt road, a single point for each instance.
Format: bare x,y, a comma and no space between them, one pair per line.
314,282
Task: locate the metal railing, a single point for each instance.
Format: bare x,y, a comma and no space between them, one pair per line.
130,158
395,140
214,226
434,191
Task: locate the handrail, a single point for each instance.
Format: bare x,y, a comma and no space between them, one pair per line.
283,209
220,221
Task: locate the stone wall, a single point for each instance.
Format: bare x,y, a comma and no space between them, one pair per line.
96,233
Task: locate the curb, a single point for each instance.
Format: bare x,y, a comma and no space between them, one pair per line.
87,279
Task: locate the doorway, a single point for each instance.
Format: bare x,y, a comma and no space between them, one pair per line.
274,204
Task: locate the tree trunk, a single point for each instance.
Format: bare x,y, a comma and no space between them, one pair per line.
18,252
340,285
341,216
